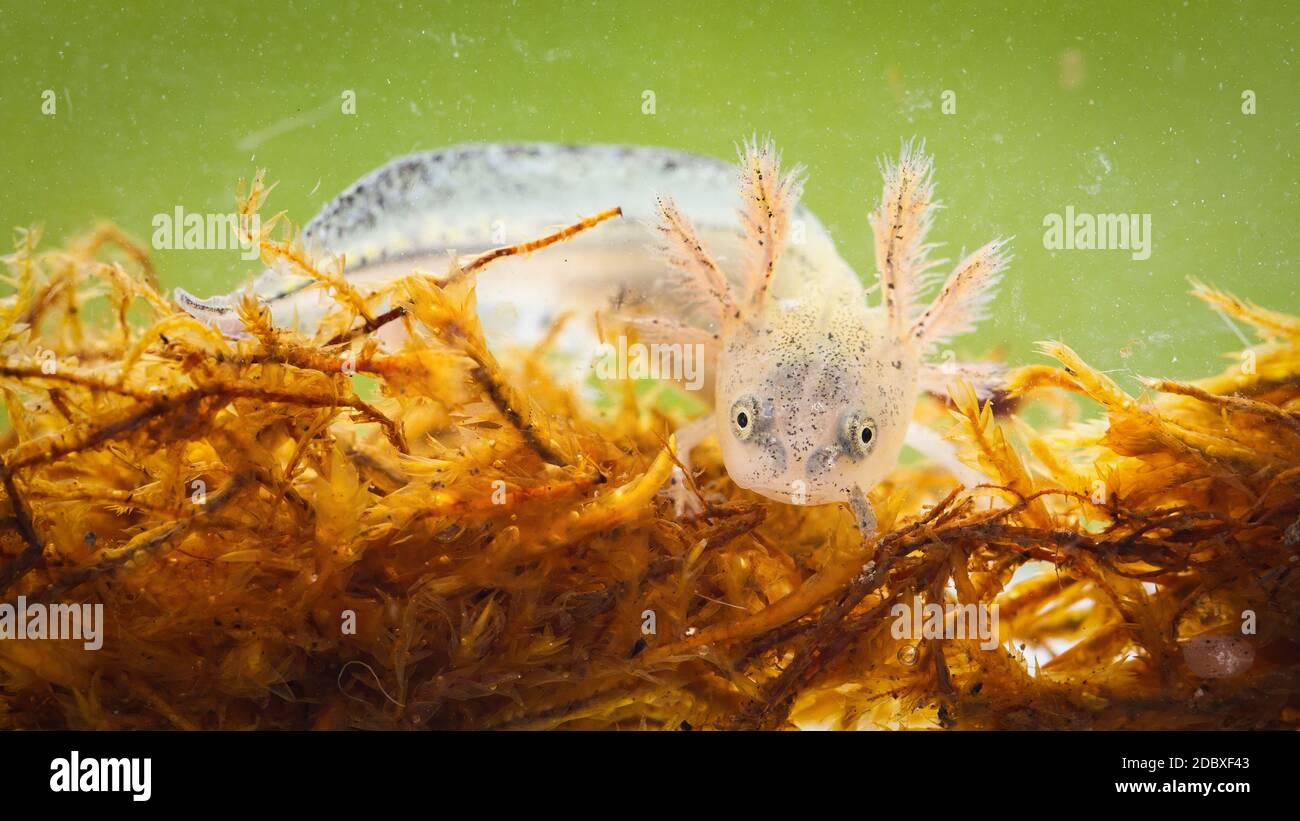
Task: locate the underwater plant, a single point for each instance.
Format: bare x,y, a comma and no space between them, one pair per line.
299,529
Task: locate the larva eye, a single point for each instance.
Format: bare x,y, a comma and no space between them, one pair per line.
744,417
858,433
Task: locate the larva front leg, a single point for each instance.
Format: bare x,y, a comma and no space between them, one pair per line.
686,503
863,512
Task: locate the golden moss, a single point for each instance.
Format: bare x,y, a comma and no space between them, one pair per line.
500,548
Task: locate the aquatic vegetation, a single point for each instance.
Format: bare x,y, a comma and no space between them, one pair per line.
291,531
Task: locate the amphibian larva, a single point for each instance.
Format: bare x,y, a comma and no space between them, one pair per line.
813,388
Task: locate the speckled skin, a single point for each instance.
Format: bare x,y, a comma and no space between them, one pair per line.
804,352
815,388
413,211
808,364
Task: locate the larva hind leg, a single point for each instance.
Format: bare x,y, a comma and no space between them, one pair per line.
863,513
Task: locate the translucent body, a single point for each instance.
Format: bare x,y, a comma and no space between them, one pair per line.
813,368
813,389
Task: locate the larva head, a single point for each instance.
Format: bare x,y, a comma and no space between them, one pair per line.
813,401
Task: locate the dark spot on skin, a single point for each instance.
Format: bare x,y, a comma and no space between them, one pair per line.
775,453
897,363
821,461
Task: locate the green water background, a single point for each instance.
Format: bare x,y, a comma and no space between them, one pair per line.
1111,107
